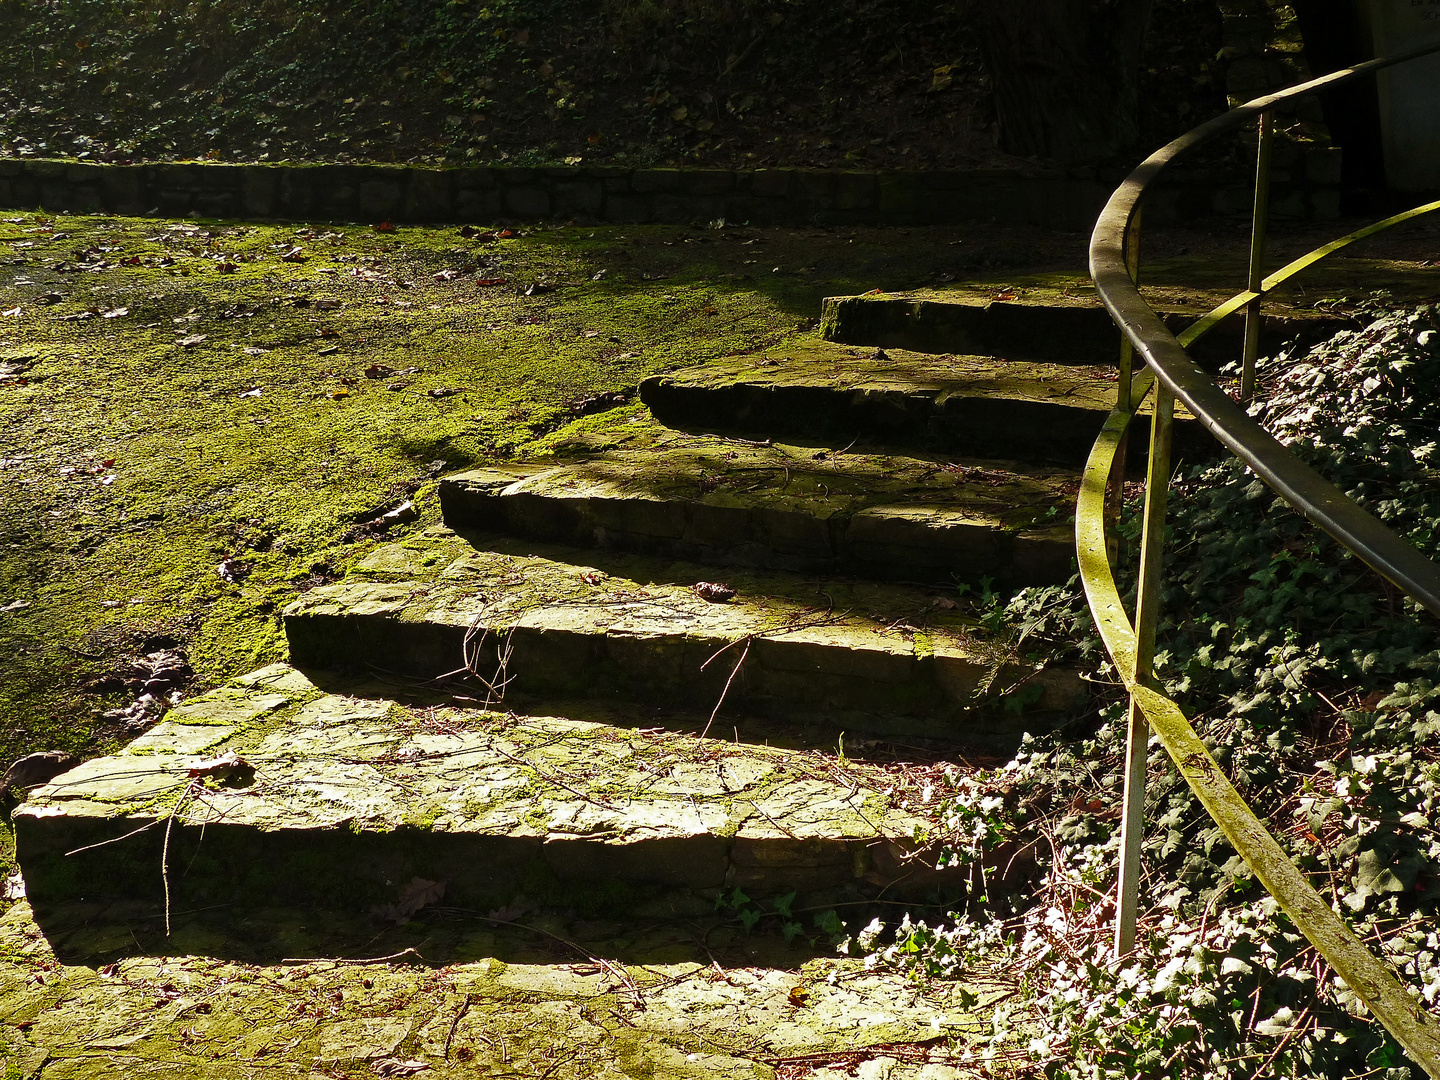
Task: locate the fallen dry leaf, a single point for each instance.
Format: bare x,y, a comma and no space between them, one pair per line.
396,1067
714,591
510,912
414,896
404,512
227,764
38,768
599,403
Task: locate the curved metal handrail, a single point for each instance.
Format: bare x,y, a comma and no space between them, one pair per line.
1172,374
1301,486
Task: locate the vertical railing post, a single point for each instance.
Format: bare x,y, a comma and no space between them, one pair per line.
1257,255
1115,494
1147,611
1127,350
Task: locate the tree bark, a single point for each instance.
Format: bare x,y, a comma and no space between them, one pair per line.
1065,74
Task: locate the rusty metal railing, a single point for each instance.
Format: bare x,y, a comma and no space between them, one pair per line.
1171,374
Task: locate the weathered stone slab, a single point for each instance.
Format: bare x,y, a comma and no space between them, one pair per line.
851,654
656,1007
1077,331
791,508
971,405
345,799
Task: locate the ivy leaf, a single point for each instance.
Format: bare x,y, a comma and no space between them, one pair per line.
1281,1023
1373,873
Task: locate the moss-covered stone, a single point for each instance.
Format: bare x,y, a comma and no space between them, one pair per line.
1052,326
981,406
547,1006
342,800
560,622
266,441
776,506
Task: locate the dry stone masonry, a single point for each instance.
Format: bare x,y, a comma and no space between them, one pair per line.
520,706
1049,198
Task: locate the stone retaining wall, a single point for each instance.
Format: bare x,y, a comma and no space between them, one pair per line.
374,193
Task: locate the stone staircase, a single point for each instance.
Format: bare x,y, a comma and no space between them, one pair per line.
696,651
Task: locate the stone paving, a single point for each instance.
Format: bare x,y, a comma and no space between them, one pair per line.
1065,326
856,654
553,1007
783,507
273,789
999,412
469,832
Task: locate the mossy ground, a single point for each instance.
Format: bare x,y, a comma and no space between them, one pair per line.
136,455
131,465
529,1003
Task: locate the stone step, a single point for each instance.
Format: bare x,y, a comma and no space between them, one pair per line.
340,800
460,997
535,622
1059,330
973,405
727,502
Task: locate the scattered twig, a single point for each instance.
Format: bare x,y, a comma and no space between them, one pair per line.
165,847
114,839
344,961
740,59
455,1023
733,672
558,1062
754,806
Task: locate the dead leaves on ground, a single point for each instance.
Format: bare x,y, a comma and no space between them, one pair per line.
227,767
398,1067
714,591
420,893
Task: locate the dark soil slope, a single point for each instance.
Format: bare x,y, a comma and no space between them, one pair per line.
864,83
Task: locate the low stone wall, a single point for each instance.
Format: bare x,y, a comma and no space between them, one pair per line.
396,193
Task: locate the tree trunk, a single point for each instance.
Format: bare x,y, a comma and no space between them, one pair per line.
1065,74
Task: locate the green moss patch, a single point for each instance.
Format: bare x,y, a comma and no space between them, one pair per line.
180,396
